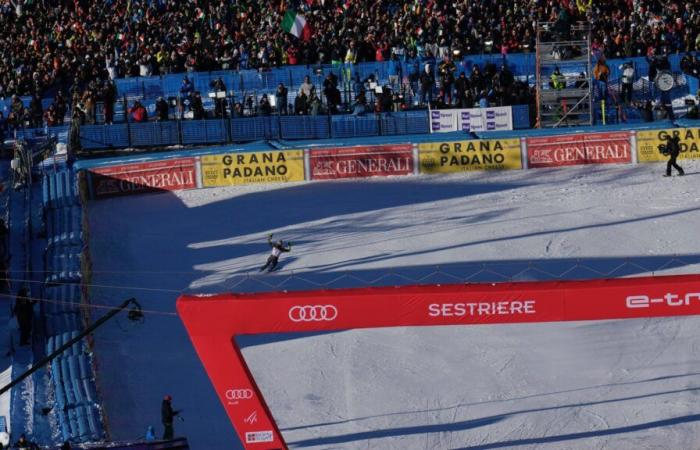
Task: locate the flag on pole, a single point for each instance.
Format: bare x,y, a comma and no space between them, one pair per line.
295,24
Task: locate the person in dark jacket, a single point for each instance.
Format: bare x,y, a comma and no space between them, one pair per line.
24,444
198,112
427,83
673,149
167,416
277,249
24,310
162,109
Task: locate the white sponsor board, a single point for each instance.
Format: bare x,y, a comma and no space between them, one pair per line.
471,119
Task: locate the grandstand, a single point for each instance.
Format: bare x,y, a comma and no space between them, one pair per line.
121,97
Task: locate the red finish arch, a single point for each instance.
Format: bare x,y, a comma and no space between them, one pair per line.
214,321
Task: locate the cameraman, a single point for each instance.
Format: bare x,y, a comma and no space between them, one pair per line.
672,149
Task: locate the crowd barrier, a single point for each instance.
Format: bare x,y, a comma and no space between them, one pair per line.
77,407
451,155
216,131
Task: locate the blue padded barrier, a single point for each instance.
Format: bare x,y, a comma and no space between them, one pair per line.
305,127
154,134
255,128
89,389
353,126
204,131
82,423
94,422
64,425
84,367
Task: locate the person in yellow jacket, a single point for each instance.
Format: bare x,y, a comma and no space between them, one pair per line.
557,80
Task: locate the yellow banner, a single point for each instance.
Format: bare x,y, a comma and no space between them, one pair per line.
258,167
648,144
463,156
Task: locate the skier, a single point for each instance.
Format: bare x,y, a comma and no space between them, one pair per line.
672,149
277,249
167,416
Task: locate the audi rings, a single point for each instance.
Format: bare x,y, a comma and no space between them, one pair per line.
313,313
239,394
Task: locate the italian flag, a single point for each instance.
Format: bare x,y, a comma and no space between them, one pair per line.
295,24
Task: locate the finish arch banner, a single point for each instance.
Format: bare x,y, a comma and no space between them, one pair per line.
214,321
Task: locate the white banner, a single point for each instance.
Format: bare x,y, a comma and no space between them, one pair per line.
472,119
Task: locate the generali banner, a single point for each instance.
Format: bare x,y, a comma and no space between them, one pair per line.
648,143
577,149
357,162
169,175
212,322
471,119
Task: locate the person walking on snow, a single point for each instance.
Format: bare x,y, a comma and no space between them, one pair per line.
277,249
673,149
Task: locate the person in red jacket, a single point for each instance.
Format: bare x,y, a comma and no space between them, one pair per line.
138,112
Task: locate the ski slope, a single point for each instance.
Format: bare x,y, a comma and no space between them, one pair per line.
588,385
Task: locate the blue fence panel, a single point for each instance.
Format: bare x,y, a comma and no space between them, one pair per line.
154,134
204,131
104,136
521,117
409,122
354,126
305,127
255,128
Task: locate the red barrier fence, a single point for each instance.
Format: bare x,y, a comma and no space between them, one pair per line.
356,162
213,322
575,149
170,175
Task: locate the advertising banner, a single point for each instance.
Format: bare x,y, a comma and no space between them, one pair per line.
576,149
463,156
471,119
256,167
356,162
212,322
124,179
648,144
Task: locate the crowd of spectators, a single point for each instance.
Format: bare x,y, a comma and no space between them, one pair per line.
46,44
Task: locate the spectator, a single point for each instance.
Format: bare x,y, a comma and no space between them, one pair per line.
301,104
220,103
306,87
601,73
109,97
447,70
330,90
264,108
393,70
360,104
36,111
24,444
281,96
427,83
197,107
50,116
138,112
627,81
162,110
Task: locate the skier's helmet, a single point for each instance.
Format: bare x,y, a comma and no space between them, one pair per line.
280,243
168,397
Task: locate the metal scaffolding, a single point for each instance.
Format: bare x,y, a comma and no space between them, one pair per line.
563,70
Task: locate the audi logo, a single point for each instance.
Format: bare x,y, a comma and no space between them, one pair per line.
239,394
313,313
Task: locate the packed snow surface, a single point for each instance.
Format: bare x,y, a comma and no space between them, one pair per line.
585,385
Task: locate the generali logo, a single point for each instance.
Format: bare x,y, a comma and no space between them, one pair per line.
669,299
